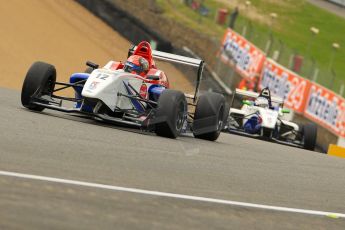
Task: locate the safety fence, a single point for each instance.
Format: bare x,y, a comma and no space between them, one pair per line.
338,2
305,65
299,60
302,95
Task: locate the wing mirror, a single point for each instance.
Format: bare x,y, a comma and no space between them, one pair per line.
246,102
285,110
92,65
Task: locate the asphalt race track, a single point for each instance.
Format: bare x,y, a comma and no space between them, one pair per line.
234,168
61,171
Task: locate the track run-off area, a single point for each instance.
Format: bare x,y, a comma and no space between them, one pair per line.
62,171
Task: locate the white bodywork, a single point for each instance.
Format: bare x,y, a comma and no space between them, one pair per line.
105,84
270,118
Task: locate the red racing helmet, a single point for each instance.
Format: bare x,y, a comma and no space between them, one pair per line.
137,65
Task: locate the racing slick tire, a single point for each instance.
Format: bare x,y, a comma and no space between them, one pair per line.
171,113
226,113
39,80
310,135
209,117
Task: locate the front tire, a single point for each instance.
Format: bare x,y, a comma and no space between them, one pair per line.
39,80
309,136
170,114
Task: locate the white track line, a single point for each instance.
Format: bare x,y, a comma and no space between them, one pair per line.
171,195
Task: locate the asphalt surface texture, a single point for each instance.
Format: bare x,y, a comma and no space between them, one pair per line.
65,146
70,147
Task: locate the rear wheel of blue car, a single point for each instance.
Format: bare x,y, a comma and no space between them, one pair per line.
39,81
170,114
210,116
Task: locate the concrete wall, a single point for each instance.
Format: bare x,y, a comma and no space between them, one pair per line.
130,27
142,20
149,13
338,2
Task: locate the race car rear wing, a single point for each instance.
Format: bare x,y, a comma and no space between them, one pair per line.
159,55
245,93
176,58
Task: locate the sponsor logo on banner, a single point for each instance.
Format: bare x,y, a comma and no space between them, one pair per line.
236,50
313,101
326,108
285,84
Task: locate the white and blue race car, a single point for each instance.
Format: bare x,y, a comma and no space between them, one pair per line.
261,115
135,93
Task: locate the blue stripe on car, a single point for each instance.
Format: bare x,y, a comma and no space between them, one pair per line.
155,91
75,78
136,104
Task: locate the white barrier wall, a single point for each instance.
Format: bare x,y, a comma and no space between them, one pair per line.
339,2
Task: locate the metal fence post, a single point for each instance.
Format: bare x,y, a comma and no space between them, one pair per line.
244,31
280,50
316,74
312,69
269,44
332,79
291,60
341,91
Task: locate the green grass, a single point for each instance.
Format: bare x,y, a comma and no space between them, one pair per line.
291,28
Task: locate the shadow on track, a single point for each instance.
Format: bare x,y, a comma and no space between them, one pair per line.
92,121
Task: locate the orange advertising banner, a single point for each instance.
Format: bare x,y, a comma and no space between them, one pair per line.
312,100
326,108
285,84
237,51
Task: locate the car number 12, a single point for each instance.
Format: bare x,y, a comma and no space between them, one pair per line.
102,76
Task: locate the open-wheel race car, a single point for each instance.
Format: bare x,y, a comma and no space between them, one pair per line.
261,115
135,93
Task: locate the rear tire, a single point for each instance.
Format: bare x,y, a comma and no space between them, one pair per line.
209,117
170,114
39,80
226,114
310,135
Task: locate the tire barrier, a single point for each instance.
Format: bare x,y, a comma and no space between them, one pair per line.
131,28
